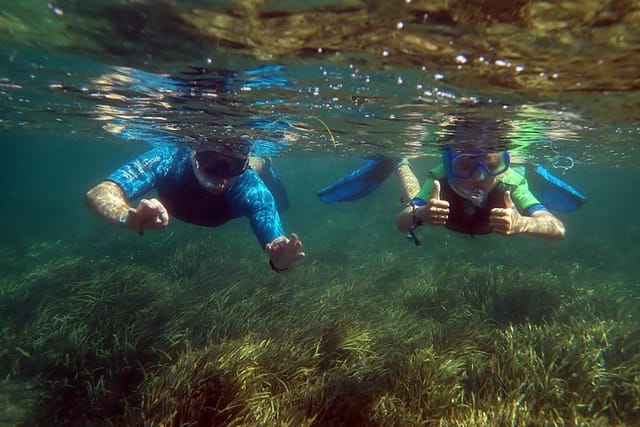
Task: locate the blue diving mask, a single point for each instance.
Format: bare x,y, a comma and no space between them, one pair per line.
474,166
465,165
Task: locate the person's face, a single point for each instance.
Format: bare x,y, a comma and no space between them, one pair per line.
477,170
218,186
216,172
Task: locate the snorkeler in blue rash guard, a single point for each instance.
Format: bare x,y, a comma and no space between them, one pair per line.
199,186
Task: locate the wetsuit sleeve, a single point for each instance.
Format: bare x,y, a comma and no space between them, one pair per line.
141,174
250,197
425,192
526,202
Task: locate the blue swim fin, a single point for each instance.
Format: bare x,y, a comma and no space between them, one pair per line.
556,194
360,182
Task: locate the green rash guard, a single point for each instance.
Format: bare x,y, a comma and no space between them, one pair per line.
466,218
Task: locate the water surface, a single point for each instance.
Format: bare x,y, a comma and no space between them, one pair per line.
85,86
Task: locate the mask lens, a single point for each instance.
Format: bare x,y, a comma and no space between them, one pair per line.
463,165
221,166
497,163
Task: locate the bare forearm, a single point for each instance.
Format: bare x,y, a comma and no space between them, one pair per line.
405,219
107,201
408,181
544,225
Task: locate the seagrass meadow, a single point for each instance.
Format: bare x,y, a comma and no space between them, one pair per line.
191,328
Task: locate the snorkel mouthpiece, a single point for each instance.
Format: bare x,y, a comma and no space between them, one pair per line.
477,197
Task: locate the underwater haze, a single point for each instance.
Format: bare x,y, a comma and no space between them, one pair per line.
190,326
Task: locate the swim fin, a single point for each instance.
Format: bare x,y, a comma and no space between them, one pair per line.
360,182
556,194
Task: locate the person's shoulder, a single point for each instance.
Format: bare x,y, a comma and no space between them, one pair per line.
438,172
249,174
250,180
512,177
249,190
174,150
165,152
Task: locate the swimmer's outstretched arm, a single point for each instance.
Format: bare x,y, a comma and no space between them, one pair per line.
509,221
107,200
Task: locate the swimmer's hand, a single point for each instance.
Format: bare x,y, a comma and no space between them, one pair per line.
436,211
150,214
509,221
284,252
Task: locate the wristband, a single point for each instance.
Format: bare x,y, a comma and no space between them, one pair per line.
416,214
416,221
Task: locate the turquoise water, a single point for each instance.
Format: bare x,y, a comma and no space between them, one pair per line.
66,274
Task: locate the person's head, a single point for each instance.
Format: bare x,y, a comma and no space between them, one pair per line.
216,170
473,173
475,154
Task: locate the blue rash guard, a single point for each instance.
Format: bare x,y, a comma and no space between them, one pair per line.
168,169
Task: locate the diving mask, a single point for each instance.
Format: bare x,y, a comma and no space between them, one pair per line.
465,165
213,169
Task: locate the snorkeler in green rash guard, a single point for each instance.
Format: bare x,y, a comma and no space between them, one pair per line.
474,191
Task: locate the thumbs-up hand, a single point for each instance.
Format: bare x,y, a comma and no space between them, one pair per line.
436,211
506,220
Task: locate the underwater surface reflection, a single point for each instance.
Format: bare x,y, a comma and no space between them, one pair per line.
189,326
